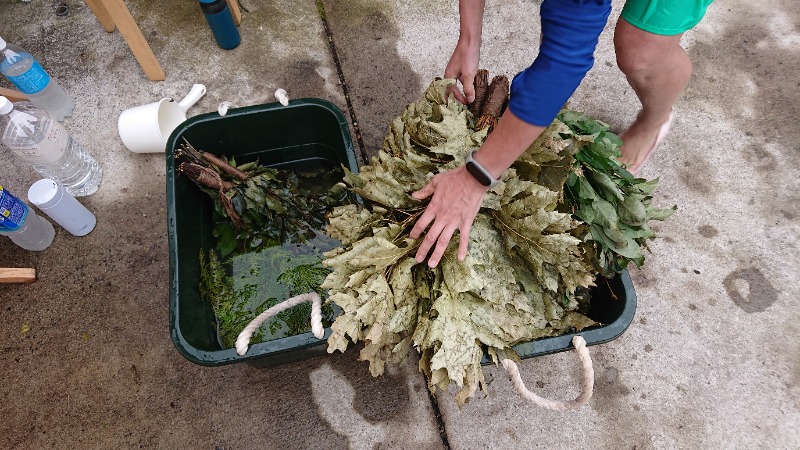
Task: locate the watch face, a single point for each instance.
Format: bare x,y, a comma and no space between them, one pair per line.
478,174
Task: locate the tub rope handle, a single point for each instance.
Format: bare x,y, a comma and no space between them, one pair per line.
557,405
243,340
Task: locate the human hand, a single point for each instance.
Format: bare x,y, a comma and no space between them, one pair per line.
457,198
463,66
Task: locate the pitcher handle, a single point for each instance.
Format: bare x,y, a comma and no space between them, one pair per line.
195,94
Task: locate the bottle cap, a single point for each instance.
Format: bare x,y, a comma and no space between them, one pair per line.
45,193
5,105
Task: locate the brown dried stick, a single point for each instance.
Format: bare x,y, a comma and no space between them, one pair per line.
190,154
205,176
481,84
224,166
186,153
494,103
211,179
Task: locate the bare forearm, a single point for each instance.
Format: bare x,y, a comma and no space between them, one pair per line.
471,20
510,138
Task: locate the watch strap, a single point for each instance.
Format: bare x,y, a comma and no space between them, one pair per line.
479,172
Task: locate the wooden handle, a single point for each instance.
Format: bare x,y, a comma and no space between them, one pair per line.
17,275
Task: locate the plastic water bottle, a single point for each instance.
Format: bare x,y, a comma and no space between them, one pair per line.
220,19
21,224
22,69
35,137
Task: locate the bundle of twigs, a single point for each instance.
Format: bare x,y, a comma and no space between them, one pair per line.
263,205
200,167
493,102
481,84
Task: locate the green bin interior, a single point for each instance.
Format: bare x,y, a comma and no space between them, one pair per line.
306,132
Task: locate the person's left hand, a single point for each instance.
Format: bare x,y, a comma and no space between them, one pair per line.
457,198
462,66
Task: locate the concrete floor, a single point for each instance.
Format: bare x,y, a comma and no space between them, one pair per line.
712,359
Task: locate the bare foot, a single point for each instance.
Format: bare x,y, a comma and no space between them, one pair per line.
640,140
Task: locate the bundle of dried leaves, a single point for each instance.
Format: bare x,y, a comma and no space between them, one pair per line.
531,254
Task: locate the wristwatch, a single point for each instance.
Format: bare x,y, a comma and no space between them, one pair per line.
479,172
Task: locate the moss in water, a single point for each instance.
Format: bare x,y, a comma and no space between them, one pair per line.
247,282
216,287
274,274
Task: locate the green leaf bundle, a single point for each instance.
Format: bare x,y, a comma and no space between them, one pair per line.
269,247
255,206
614,206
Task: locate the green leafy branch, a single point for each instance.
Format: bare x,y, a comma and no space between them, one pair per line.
256,206
614,206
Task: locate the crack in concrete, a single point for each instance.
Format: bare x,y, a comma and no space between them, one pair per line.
437,413
440,425
342,82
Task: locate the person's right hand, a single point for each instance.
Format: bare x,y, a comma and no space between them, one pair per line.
463,66
456,198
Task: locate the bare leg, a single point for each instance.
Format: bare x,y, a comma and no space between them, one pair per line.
658,70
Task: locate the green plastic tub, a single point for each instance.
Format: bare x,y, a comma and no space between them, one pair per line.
306,132
613,304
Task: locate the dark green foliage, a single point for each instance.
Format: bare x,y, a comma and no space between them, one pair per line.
268,242
243,286
614,205
267,208
231,312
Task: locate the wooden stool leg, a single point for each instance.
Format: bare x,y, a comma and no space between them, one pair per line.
237,14
133,36
14,96
102,15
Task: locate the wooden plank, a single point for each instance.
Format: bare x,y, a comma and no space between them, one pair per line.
133,36
17,275
235,11
14,96
102,15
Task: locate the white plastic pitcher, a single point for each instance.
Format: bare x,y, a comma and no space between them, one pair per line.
146,128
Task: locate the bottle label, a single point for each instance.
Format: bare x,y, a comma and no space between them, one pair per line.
49,150
12,211
33,80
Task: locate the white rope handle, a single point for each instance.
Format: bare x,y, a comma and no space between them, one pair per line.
556,405
243,341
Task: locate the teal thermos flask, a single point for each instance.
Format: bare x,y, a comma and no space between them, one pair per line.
220,20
